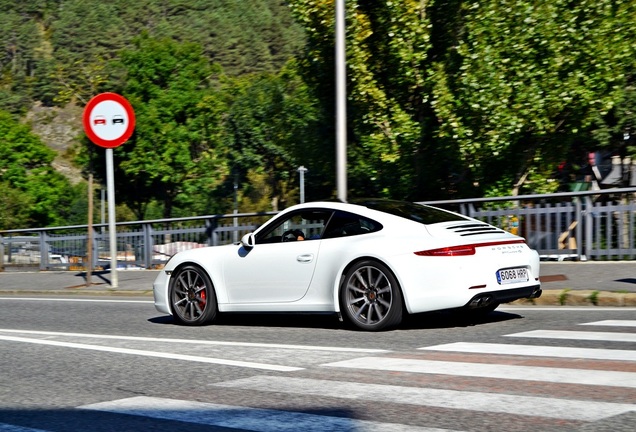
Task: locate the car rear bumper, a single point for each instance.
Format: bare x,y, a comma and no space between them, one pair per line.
504,296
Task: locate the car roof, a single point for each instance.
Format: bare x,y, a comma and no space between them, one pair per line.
383,208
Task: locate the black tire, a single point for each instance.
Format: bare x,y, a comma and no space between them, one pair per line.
192,296
370,296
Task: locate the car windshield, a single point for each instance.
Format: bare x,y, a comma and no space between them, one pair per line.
411,211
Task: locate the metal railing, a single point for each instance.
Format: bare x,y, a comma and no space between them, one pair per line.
144,244
588,225
593,225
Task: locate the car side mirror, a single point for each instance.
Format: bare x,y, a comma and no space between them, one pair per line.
248,241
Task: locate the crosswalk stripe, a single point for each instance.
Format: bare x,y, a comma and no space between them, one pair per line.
613,323
508,372
4,427
164,355
535,351
196,341
577,335
244,418
564,409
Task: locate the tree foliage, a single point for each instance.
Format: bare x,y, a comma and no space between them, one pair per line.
532,82
58,51
33,193
446,98
174,155
270,127
199,131
453,97
388,49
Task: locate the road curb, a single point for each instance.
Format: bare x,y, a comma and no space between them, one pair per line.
568,297
81,292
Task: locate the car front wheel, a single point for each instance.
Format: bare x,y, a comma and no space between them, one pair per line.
192,296
370,296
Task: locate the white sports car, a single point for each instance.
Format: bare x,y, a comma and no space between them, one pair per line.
370,260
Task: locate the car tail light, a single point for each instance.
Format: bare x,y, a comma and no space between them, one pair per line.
464,250
449,251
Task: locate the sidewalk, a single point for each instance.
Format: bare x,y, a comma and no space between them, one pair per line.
563,283
130,282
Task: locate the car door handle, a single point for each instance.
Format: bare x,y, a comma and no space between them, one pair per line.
305,258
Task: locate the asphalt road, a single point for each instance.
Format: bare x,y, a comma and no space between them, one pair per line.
77,363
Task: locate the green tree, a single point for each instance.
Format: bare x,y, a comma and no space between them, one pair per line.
450,97
36,194
174,156
531,81
14,212
19,38
388,45
271,129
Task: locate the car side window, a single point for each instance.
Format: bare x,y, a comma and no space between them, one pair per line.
297,226
345,224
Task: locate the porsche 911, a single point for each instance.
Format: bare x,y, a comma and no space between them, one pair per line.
371,261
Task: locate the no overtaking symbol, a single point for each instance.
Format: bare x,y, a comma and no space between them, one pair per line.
109,120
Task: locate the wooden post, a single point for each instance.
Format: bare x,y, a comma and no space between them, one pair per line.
89,237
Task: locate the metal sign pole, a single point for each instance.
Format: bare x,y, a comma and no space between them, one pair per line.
109,120
110,187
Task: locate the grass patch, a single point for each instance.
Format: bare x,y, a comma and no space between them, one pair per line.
563,297
593,298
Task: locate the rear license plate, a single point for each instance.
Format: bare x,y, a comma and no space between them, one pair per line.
512,275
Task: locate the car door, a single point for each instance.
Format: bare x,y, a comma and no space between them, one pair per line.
279,268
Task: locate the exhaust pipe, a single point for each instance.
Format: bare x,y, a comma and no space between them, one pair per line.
480,301
536,293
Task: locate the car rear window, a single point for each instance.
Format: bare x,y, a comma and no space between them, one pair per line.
418,213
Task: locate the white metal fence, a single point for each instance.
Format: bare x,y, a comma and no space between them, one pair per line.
144,244
596,225
591,225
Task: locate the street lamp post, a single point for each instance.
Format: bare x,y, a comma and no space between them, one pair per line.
341,103
302,170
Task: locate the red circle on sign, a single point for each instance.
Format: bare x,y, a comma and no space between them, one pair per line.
109,120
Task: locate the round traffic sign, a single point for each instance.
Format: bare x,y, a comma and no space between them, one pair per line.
109,120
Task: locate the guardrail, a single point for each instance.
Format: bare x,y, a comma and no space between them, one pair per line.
588,225
593,225
142,244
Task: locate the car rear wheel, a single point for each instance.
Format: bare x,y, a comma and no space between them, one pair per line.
370,296
192,296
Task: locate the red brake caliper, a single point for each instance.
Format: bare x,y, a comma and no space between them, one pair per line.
203,300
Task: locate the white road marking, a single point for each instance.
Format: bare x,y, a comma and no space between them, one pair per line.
536,351
577,335
510,308
196,342
56,299
450,399
12,428
499,371
243,418
613,323
170,356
